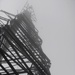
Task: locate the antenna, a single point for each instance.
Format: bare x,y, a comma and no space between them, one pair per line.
28,8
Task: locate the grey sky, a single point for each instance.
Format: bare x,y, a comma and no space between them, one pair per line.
56,25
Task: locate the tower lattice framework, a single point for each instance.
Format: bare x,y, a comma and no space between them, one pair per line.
20,47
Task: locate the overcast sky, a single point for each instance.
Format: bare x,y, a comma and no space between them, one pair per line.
56,25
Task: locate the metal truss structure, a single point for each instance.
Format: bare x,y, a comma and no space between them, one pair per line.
20,47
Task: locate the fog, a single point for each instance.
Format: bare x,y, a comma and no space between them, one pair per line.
56,26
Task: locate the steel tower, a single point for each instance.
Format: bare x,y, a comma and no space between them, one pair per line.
20,46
